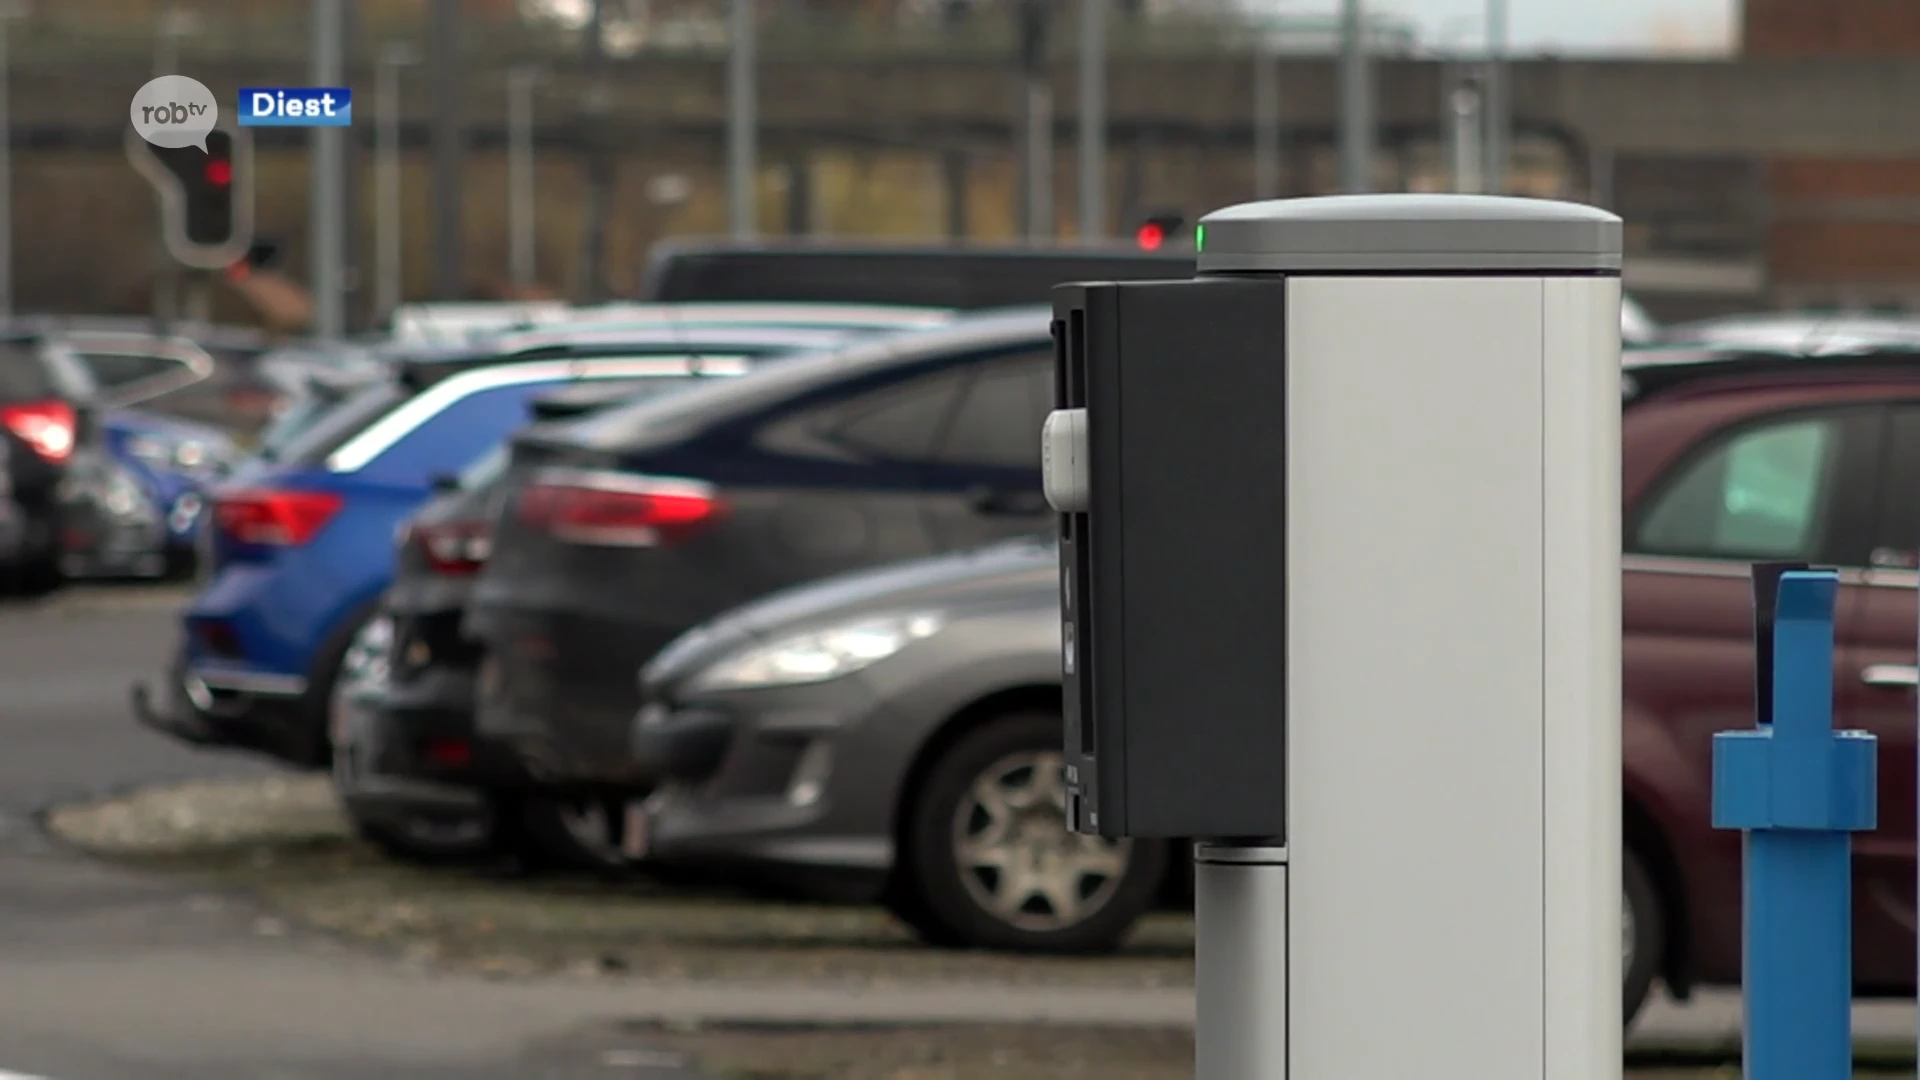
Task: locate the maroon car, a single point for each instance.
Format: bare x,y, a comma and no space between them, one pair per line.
1731,459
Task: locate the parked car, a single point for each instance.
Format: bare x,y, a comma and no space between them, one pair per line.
300,545
403,745
50,419
966,277
894,734
1636,326
211,375
621,530
457,321
114,527
834,727
1802,332
171,463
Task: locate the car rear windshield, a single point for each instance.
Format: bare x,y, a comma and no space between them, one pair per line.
313,431
960,280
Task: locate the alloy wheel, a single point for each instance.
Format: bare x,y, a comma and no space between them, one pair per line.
1016,856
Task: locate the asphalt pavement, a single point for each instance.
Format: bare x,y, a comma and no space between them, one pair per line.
114,975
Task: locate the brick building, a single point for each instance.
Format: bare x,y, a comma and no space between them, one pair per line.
1842,232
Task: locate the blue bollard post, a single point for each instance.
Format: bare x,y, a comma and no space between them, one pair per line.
1798,789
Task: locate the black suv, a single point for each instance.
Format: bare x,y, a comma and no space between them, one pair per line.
619,531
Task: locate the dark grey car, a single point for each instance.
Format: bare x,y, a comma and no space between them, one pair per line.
622,530
898,728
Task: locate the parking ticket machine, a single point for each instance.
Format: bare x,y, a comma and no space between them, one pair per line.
1340,525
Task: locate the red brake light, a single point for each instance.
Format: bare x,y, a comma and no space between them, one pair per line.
615,509
274,518
454,550
448,753
46,426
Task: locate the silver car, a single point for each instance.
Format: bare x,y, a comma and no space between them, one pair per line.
893,732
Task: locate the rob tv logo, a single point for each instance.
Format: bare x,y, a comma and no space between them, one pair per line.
296,106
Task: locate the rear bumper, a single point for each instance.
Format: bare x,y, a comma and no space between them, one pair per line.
264,714
558,694
373,752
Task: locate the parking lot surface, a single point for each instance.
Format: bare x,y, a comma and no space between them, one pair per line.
117,971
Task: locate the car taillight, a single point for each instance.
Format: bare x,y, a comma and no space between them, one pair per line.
273,518
47,426
455,549
614,509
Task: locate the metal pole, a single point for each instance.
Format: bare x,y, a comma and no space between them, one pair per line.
1499,99
6,162
1040,153
166,45
166,61
1464,107
1266,121
1240,962
1600,176
329,181
1036,105
597,207
448,139
520,206
388,287
353,254
742,138
1357,136
1093,119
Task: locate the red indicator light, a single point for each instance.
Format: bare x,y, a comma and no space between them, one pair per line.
219,173
1150,237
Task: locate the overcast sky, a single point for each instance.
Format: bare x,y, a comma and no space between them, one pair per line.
1566,26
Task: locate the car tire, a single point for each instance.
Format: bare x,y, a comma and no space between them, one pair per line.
37,577
311,747
1643,939
426,847
1101,887
568,835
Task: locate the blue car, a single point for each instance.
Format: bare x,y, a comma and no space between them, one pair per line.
172,462
300,544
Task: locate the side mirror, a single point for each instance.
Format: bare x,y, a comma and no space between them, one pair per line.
444,483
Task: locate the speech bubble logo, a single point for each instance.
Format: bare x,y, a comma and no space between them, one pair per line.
175,111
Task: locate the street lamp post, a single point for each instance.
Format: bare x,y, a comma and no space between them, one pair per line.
520,202
1357,135
1499,99
1464,103
742,124
1266,117
329,222
173,24
1093,119
389,285
9,11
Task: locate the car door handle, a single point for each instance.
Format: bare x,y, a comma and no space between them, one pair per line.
1890,675
1003,502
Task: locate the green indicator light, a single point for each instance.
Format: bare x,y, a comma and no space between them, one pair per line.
1199,238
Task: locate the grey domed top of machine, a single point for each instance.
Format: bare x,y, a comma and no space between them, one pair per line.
1408,234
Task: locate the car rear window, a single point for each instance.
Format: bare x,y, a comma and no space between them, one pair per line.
308,438
617,425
